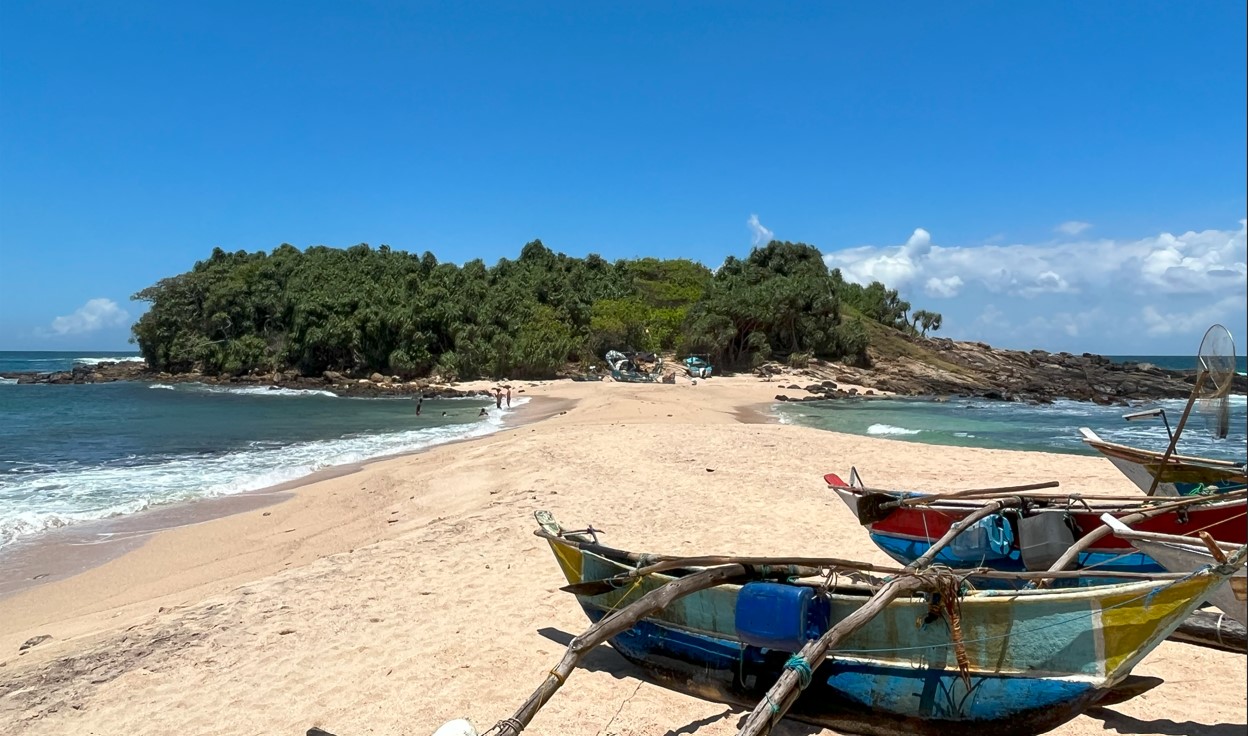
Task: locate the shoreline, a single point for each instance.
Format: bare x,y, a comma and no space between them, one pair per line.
59,554
413,591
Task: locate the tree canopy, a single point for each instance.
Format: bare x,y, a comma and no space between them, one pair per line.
363,310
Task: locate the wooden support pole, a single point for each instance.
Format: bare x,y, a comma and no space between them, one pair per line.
930,498
784,693
607,627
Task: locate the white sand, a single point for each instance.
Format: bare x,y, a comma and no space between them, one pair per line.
323,613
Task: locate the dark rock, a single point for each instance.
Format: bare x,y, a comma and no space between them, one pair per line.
781,397
34,641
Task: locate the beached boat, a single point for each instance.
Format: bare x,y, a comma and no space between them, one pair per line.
697,366
1030,660
1179,475
1184,554
1034,534
631,369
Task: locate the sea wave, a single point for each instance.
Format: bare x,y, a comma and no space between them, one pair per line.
7,380
888,429
107,359
265,391
244,390
36,502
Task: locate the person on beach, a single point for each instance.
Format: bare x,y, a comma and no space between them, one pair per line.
498,398
483,413
419,401
509,397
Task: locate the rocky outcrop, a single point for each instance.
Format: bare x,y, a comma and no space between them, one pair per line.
376,386
938,367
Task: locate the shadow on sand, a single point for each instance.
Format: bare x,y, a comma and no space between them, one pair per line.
605,659
1124,724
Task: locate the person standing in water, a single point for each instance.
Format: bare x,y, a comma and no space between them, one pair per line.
498,398
419,401
509,397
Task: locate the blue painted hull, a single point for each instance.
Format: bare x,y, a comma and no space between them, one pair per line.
906,550
845,694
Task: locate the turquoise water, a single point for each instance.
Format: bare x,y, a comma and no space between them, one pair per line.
76,453
1015,426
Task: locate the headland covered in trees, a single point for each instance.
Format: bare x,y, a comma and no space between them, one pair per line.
361,310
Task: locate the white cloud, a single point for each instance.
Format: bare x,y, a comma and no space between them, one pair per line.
1211,262
96,314
1072,227
946,287
1193,321
761,235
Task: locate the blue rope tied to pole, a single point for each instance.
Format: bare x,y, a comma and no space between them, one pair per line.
798,664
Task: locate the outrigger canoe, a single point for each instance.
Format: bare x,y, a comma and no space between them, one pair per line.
1179,476
1034,659
905,532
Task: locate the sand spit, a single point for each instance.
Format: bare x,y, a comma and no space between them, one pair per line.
412,591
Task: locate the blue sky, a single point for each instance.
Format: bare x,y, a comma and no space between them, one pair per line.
1053,175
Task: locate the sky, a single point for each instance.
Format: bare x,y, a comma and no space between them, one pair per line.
1053,175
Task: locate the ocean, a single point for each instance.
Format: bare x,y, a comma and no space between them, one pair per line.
77,453
1015,426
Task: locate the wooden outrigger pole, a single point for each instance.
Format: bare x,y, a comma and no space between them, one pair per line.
784,693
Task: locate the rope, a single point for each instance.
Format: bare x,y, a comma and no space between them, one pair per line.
798,664
515,726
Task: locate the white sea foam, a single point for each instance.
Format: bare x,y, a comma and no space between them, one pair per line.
7,380
35,502
888,429
245,390
107,359
267,391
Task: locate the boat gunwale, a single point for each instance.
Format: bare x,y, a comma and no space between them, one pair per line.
1093,592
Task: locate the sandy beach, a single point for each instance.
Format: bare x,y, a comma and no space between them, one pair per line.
410,591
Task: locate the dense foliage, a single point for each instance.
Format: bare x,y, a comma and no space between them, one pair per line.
362,310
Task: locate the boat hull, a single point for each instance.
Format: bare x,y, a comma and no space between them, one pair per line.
1185,558
1035,658
908,532
1180,475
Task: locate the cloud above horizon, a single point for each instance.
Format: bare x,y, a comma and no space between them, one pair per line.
759,234
1072,227
96,314
1157,286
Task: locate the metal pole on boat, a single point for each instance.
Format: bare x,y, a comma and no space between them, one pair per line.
1174,439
